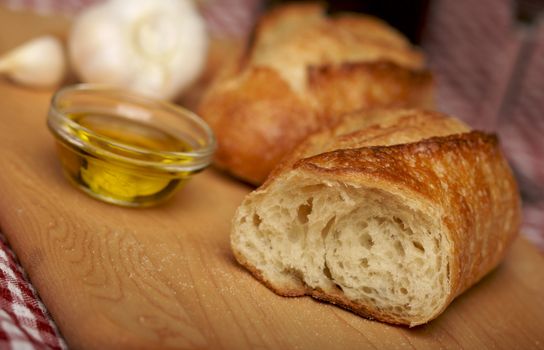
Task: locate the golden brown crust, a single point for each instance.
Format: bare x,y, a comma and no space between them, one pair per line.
348,87
460,176
365,128
300,73
465,175
257,131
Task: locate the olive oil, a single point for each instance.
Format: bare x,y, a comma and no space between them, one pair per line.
119,161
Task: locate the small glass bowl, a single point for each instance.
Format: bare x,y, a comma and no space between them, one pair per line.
124,148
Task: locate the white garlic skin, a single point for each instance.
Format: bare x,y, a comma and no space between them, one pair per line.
39,62
154,47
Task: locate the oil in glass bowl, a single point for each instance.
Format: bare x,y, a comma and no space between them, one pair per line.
125,149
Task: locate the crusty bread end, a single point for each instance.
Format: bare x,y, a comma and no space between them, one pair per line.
390,230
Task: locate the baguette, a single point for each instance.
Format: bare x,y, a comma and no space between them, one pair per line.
300,74
391,214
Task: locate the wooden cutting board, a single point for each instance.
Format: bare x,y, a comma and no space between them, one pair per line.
165,277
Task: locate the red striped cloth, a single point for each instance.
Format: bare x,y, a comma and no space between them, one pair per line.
230,18
521,128
49,6
490,72
24,321
471,49
224,18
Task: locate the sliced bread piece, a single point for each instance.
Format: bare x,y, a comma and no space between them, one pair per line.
301,71
391,215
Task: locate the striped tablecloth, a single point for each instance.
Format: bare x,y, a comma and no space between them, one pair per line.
488,59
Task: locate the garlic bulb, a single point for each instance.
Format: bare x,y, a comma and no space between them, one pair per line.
38,63
155,47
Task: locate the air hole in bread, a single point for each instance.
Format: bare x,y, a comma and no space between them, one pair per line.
327,228
366,240
295,275
404,291
304,211
380,220
418,246
402,226
327,272
399,248
399,222
364,262
257,220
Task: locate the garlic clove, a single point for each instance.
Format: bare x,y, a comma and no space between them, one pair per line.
153,47
39,63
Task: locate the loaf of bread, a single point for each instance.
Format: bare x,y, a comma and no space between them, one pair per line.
301,73
391,214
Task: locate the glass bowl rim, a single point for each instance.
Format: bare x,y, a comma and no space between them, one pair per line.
201,157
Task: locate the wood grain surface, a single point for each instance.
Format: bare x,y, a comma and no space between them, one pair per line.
165,277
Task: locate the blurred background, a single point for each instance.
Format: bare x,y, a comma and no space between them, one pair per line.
487,57
488,61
